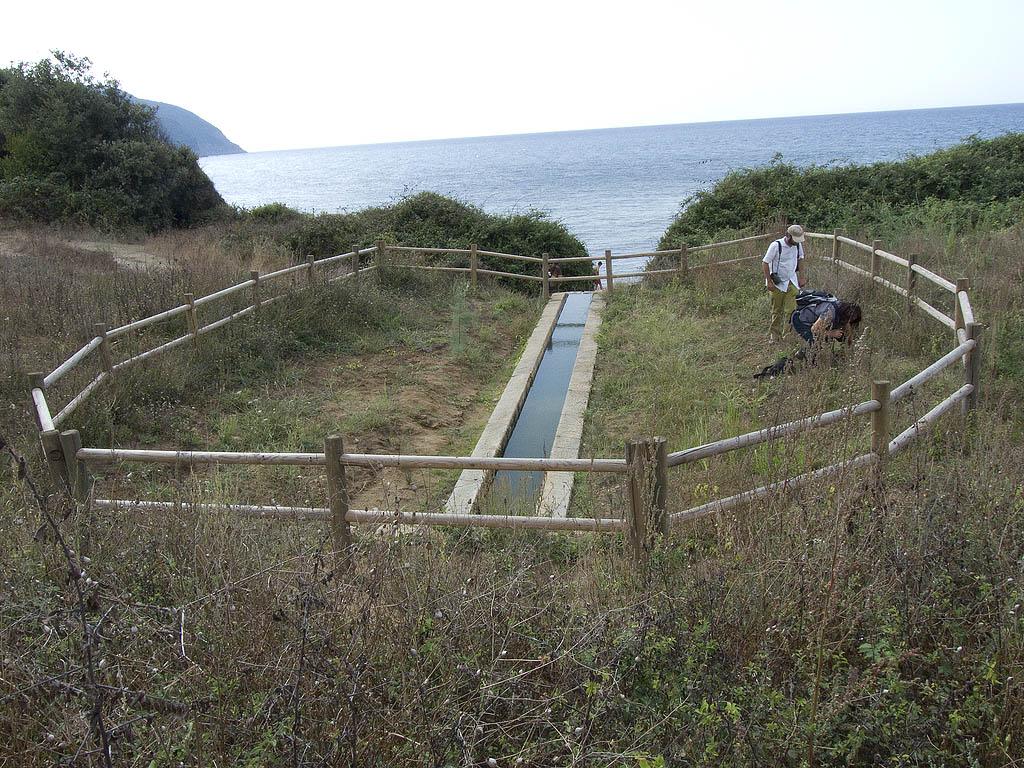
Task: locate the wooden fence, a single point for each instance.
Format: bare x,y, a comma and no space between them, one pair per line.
646,462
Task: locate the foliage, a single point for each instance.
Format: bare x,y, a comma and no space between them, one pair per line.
79,150
430,220
977,183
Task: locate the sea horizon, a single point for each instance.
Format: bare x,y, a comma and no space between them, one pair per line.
570,131
615,189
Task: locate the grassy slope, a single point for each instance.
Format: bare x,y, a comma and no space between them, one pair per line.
467,646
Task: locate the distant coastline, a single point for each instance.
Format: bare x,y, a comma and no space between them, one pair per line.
185,128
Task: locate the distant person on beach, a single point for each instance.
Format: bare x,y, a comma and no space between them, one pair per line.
783,266
597,274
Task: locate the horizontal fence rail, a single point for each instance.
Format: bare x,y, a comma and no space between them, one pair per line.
962,322
368,460
771,433
382,517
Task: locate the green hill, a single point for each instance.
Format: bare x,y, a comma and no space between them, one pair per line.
184,128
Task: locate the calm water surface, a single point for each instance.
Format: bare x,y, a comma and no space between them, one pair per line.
616,188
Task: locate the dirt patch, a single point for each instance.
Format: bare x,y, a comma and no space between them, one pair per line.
419,402
126,254
408,400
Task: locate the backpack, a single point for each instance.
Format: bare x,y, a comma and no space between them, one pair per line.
779,367
813,298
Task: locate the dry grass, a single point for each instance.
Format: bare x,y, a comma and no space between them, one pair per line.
844,624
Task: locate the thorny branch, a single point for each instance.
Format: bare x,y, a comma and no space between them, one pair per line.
96,692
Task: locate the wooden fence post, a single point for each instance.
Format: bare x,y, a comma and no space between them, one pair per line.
190,319
608,269
684,266
355,264
472,267
78,477
254,275
972,367
544,275
962,284
647,494
337,490
310,262
835,256
381,253
107,359
911,280
53,452
35,381
876,261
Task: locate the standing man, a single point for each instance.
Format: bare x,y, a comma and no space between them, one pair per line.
783,265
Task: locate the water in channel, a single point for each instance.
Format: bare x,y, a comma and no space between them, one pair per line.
534,432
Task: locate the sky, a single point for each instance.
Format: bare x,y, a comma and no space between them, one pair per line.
300,74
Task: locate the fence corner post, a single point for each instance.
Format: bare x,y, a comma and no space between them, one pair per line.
608,268
382,249
962,284
254,275
684,265
337,491
310,267
105,356
544,275
355,264
37,380
472,267
53,452
972,367
78,478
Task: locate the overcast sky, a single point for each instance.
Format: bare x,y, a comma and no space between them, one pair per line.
289,75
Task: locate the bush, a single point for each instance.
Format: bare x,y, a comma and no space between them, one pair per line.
976,182
430,220
77,150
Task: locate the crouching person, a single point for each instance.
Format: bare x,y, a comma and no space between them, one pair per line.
826,321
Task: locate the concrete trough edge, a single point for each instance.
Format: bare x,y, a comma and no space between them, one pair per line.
556,491
472,482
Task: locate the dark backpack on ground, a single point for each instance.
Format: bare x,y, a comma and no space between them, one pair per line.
781,366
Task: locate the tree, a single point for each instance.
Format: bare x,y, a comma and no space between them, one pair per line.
77,149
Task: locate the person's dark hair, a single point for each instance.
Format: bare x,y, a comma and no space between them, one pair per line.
847,318
847,314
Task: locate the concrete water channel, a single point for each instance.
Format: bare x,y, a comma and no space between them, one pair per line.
539,415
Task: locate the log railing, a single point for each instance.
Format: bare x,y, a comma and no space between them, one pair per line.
68,460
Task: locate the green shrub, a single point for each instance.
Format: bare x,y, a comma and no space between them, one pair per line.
77,150
430,220
977,183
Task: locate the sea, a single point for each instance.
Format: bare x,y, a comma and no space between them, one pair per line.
614,188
